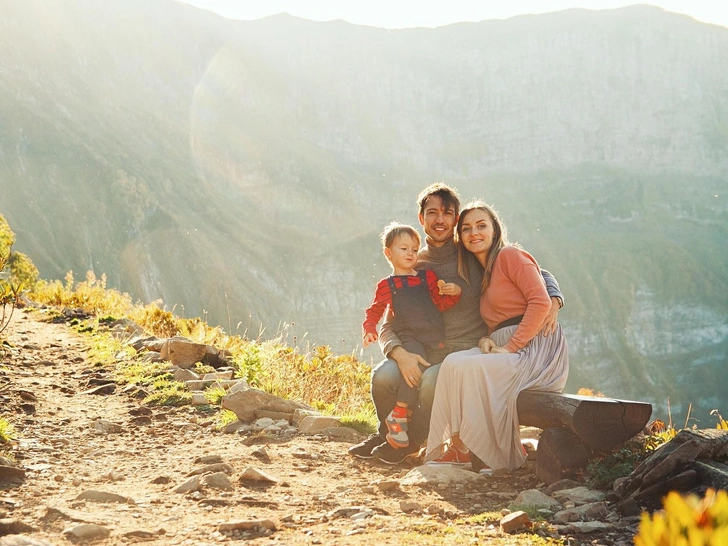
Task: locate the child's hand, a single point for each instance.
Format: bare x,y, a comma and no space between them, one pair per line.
448,288
371,337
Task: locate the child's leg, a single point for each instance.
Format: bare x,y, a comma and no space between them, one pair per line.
398,419
406,395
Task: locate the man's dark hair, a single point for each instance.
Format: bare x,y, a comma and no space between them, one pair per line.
449,196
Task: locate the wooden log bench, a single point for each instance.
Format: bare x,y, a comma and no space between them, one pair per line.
574,427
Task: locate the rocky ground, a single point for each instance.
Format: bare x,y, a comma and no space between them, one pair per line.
99,467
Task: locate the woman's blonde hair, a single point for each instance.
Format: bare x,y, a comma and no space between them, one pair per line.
500,239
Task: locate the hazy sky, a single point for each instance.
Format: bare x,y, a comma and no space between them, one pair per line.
412,13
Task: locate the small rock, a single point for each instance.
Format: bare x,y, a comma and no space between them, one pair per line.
363,514
559,485
255,475
300,414
235,426
432,475
596,510
262,454
182,352
409,507
102,496
142,534
514,522
109,388
218,480
589,526
387,485
199,399
247,525
579,495
212,468
11,474
314,424
545,513
69,514
628,507
208,459
193,484
14,527
86,531
183,375
106,427
536,499
264,422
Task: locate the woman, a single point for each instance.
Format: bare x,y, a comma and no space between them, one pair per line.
475,398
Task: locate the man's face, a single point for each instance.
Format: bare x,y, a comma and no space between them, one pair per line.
439,222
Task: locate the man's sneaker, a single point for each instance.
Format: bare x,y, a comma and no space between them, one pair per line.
397,427
388,454
452,457
363,450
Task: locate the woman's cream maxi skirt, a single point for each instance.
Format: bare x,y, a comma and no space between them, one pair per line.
476,396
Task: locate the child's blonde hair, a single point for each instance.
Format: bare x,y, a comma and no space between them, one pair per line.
394,230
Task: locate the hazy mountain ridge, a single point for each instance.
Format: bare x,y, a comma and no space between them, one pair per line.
245,168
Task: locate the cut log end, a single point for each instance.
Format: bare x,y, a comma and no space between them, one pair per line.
601,423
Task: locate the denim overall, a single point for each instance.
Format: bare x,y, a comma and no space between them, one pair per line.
417,322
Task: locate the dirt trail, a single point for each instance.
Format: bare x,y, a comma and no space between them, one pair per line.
44,379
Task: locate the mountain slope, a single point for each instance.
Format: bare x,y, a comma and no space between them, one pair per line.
244,169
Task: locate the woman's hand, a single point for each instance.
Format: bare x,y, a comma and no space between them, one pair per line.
495,350
448,288
371,337
485,345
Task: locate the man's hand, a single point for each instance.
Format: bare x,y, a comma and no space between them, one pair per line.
551,320
371,337
408,365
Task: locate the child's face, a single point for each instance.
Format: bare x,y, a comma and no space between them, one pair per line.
402,254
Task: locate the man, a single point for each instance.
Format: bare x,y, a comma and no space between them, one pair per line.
439,206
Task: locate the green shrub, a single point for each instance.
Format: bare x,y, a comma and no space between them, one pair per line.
605,470
21,272
7,432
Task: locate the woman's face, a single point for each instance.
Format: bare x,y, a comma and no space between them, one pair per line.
476,232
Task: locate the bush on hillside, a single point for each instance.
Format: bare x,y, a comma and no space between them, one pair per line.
18,270
23,273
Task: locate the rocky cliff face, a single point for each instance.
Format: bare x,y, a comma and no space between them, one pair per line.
242,170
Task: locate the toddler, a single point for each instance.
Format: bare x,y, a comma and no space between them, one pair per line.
416,299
